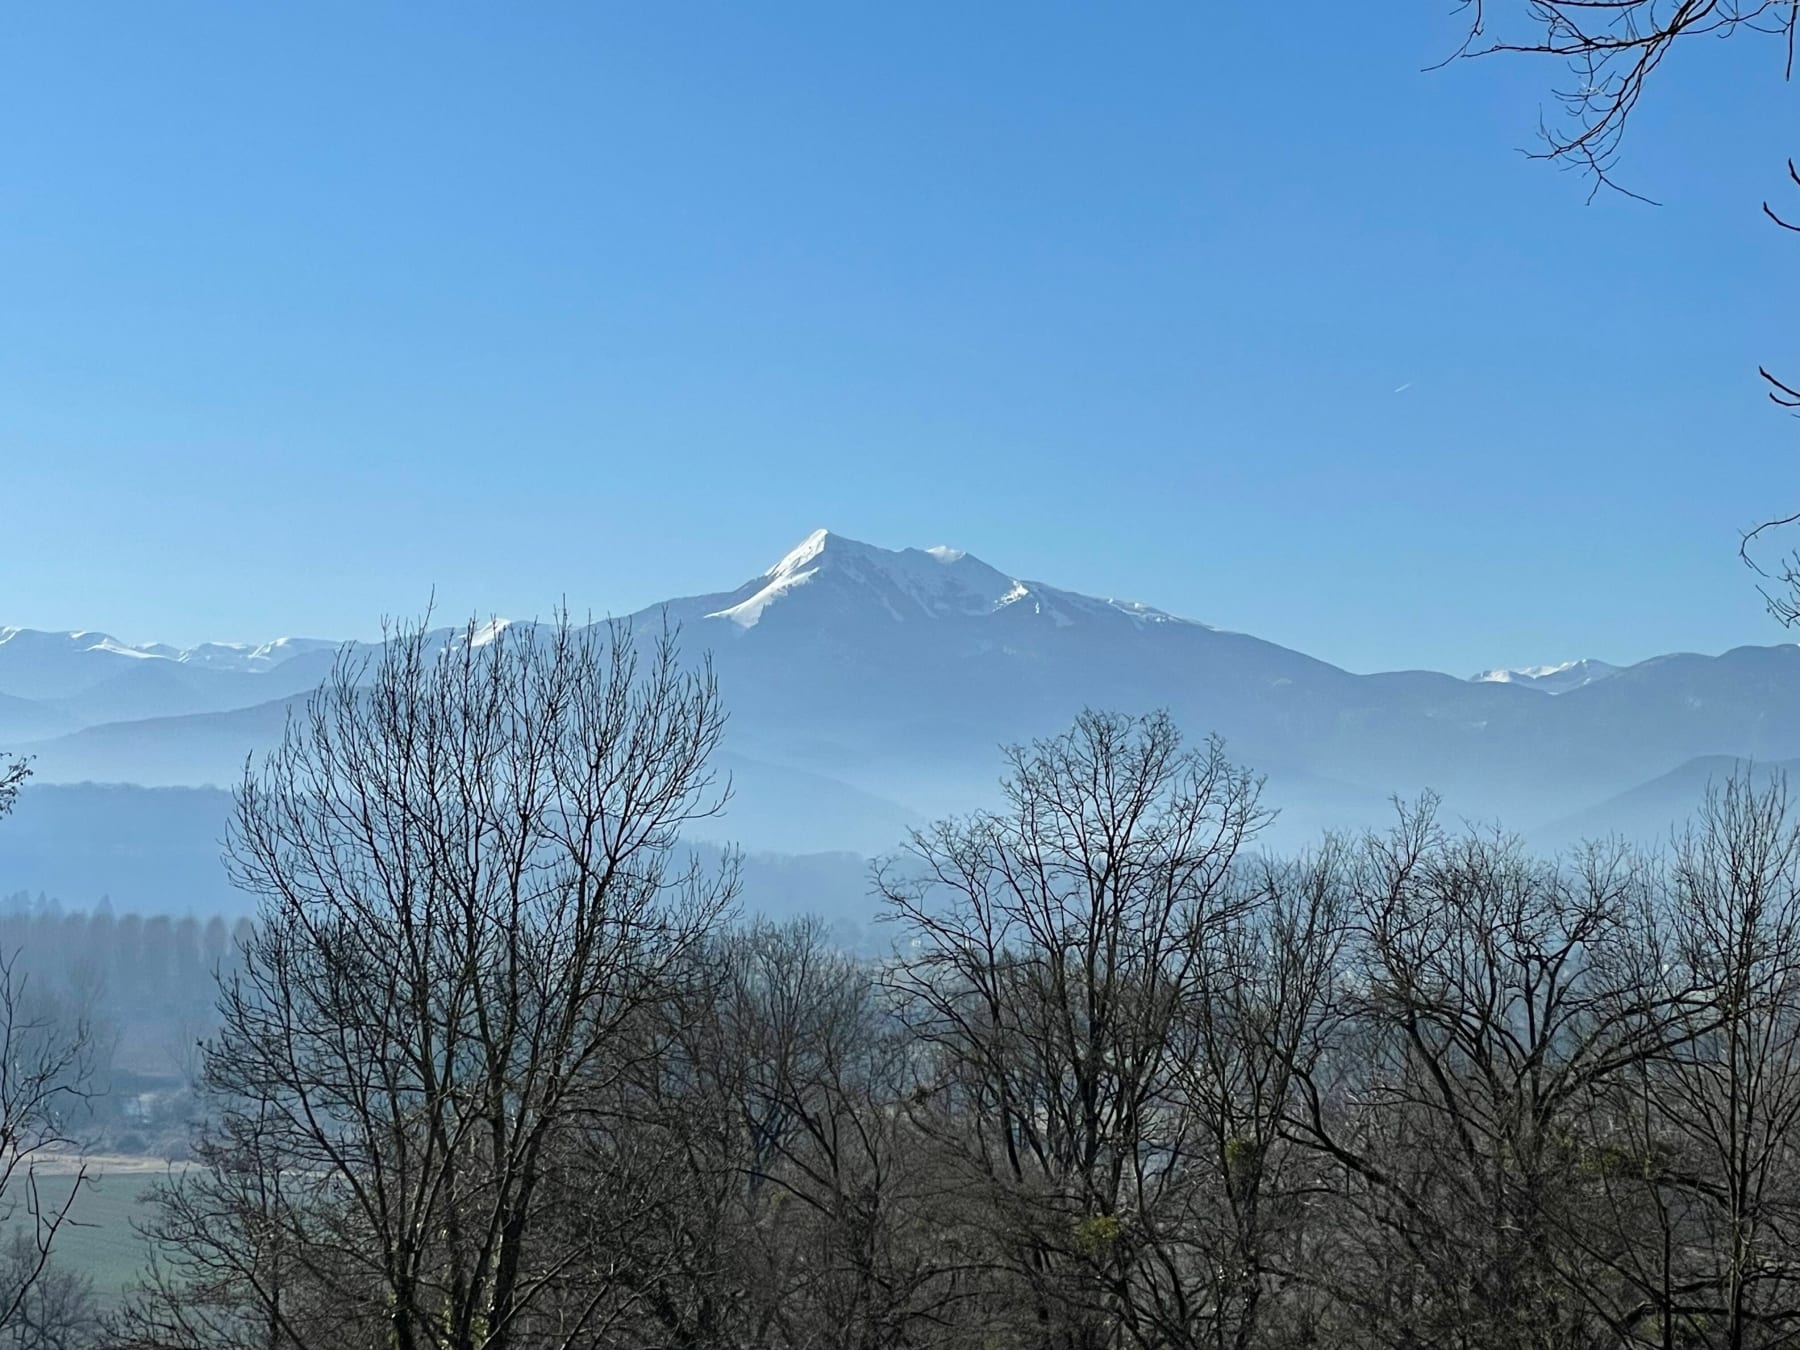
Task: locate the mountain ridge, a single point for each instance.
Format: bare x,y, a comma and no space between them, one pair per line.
822,550
889,678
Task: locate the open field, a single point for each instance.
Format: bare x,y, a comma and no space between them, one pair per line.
98,1240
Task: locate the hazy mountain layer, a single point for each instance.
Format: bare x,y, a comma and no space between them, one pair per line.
870,689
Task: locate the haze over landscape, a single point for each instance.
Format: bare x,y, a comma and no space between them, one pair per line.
871,689
1263,821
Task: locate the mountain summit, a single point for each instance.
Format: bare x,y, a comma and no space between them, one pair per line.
907,584
828,573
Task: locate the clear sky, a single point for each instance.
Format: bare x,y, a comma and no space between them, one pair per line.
308,310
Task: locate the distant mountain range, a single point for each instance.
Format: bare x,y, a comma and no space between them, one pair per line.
870,688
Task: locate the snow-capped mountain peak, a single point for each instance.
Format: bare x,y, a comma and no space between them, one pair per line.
1557,679
904,584
809,550
850,578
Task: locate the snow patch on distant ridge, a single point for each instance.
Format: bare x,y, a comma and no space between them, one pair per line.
1557,679
241,656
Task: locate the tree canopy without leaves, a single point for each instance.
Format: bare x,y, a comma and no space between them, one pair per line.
472,905
1613,53
498,1069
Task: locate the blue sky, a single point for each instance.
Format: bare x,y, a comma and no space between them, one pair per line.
306,311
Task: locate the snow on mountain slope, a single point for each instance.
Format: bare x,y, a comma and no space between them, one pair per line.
909,584
37,664
246,656
1550,679
827,570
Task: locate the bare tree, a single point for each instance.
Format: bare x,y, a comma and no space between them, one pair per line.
871,1252
1690,1160
1050,954
1611,51
57,1310
46,1060
13,773
1486,996
1259,1028
1121,1085
466,858
1725,1115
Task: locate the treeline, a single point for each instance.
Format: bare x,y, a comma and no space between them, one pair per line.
142,989
137,965
499,1070
1418,1090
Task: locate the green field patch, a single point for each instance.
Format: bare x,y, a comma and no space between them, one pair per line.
98,1239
